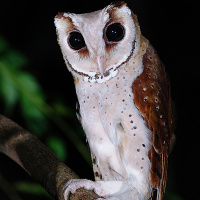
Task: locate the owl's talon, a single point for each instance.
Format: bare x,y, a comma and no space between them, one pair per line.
74,184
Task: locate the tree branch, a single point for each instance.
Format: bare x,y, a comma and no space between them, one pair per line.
32,155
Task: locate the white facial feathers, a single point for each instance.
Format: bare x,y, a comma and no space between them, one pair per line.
89,48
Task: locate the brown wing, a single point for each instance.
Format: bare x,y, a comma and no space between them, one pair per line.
152,97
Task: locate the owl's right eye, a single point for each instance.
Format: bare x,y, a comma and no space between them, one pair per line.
76,40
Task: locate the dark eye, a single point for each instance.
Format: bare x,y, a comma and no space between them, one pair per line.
76,40
115,32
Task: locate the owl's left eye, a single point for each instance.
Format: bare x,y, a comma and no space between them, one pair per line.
114,32
76,40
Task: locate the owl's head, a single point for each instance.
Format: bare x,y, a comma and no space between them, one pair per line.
95,45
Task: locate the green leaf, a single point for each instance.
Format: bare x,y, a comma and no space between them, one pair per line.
30,101
31,188
13,59
57,146
9,92
16,59
33,117
29,82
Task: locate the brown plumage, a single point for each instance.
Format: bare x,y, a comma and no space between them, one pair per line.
152,97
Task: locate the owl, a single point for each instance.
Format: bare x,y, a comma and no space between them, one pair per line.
124,101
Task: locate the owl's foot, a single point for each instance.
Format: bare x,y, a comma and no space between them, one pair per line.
74,184
107,190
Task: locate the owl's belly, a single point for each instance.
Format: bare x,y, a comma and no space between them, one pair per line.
118,138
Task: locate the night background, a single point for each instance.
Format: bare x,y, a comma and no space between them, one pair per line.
34,83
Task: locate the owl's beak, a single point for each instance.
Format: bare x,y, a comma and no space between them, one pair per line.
101,61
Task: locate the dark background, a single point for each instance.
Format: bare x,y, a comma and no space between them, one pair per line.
171,27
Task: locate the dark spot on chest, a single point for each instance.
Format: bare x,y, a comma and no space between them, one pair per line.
94,161
134,127
96,174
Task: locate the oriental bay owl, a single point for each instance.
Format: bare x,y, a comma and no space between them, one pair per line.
125,104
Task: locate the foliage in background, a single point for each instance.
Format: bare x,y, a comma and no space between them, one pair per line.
20,92
20,87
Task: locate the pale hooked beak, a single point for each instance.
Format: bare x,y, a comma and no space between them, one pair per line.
101,61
